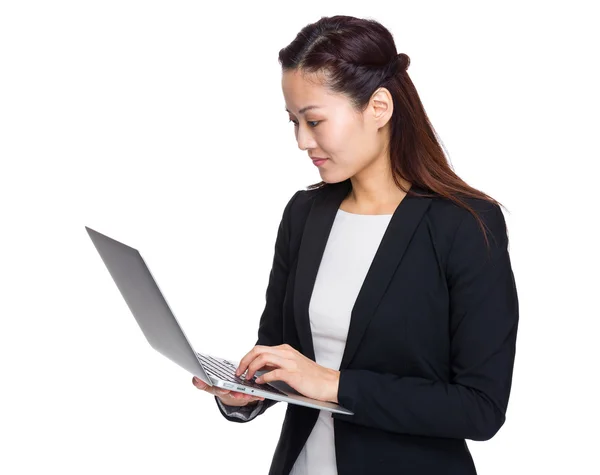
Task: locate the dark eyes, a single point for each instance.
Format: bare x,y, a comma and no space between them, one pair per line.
309,122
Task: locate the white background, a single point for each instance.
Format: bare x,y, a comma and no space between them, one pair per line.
162,124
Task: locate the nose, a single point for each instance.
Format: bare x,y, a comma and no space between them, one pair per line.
305,139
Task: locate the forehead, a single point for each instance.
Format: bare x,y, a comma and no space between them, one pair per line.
301,90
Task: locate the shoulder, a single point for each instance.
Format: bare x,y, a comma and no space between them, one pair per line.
444,216
445,210
300,202
483,226
452,223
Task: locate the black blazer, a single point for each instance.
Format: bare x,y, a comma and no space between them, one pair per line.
430,350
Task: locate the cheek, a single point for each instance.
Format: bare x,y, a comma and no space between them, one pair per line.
339,139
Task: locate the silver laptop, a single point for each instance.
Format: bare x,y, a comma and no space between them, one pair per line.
160,327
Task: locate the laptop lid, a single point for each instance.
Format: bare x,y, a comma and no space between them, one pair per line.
147,303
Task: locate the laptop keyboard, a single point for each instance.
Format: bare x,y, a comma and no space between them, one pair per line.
225,370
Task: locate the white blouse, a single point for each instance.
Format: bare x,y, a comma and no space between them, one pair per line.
349,252
350,249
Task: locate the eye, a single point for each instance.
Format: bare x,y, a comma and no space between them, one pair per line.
316,122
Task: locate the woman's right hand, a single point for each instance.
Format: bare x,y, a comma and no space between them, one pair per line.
229,398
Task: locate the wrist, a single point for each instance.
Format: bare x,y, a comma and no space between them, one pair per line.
234,402
334,386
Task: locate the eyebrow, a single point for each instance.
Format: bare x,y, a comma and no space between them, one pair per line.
304,109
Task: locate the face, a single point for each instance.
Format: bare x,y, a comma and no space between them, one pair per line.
353,142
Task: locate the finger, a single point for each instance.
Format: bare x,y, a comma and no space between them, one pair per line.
275,375
247,359
263,360
255,353
199,383
239,401
214,390
233,397
248,398
237,395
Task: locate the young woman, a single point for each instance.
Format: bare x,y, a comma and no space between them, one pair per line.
391,290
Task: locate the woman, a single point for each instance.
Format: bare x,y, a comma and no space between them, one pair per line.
391,290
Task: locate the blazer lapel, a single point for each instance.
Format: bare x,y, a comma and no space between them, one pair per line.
316,232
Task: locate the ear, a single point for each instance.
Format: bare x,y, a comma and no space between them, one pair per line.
382,106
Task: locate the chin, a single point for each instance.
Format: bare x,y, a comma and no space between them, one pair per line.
329,179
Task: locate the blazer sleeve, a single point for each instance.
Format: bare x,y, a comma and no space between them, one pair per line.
270,328
245,413
484,318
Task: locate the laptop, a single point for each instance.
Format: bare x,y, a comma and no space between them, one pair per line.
160,327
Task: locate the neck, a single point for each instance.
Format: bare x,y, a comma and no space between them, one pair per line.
375,198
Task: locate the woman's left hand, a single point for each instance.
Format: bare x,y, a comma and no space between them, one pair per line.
292,367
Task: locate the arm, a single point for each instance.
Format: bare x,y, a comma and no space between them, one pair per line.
270,329
243,413
483,329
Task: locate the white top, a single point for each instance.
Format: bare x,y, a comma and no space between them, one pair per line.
349,251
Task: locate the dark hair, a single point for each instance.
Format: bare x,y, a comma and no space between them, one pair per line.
356,57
